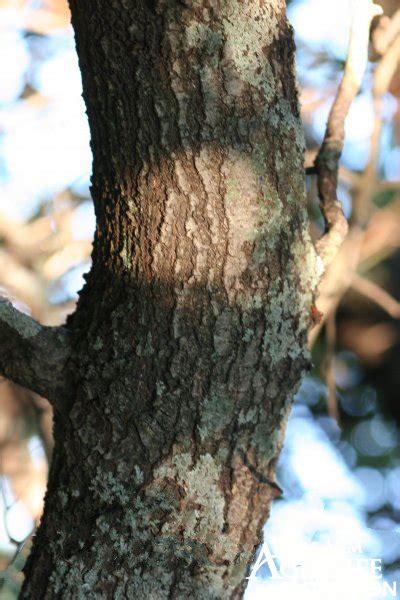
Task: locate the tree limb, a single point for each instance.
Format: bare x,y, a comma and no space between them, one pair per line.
33,355
374,292
327,161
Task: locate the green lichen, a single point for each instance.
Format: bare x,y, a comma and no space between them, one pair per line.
200,481
160,388
248,335
108,488
249,416
146,348
138,475
98,344
205,40
216,413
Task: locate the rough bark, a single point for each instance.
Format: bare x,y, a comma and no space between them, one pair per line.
33,355
189,338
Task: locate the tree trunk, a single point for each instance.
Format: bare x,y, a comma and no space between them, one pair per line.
189,338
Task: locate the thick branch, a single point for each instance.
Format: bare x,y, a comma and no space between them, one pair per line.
327,161
33,355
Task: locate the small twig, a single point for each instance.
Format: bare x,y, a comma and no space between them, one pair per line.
387,67
374,292
333,410
327,161
383,186
362,205
386,32
383,75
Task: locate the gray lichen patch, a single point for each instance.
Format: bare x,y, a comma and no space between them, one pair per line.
108,488
283,338
249,31
243,215
188,493
248,335
224,332
216,414
201,489
206,41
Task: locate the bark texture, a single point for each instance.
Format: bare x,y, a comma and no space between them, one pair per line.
33,355
189,338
